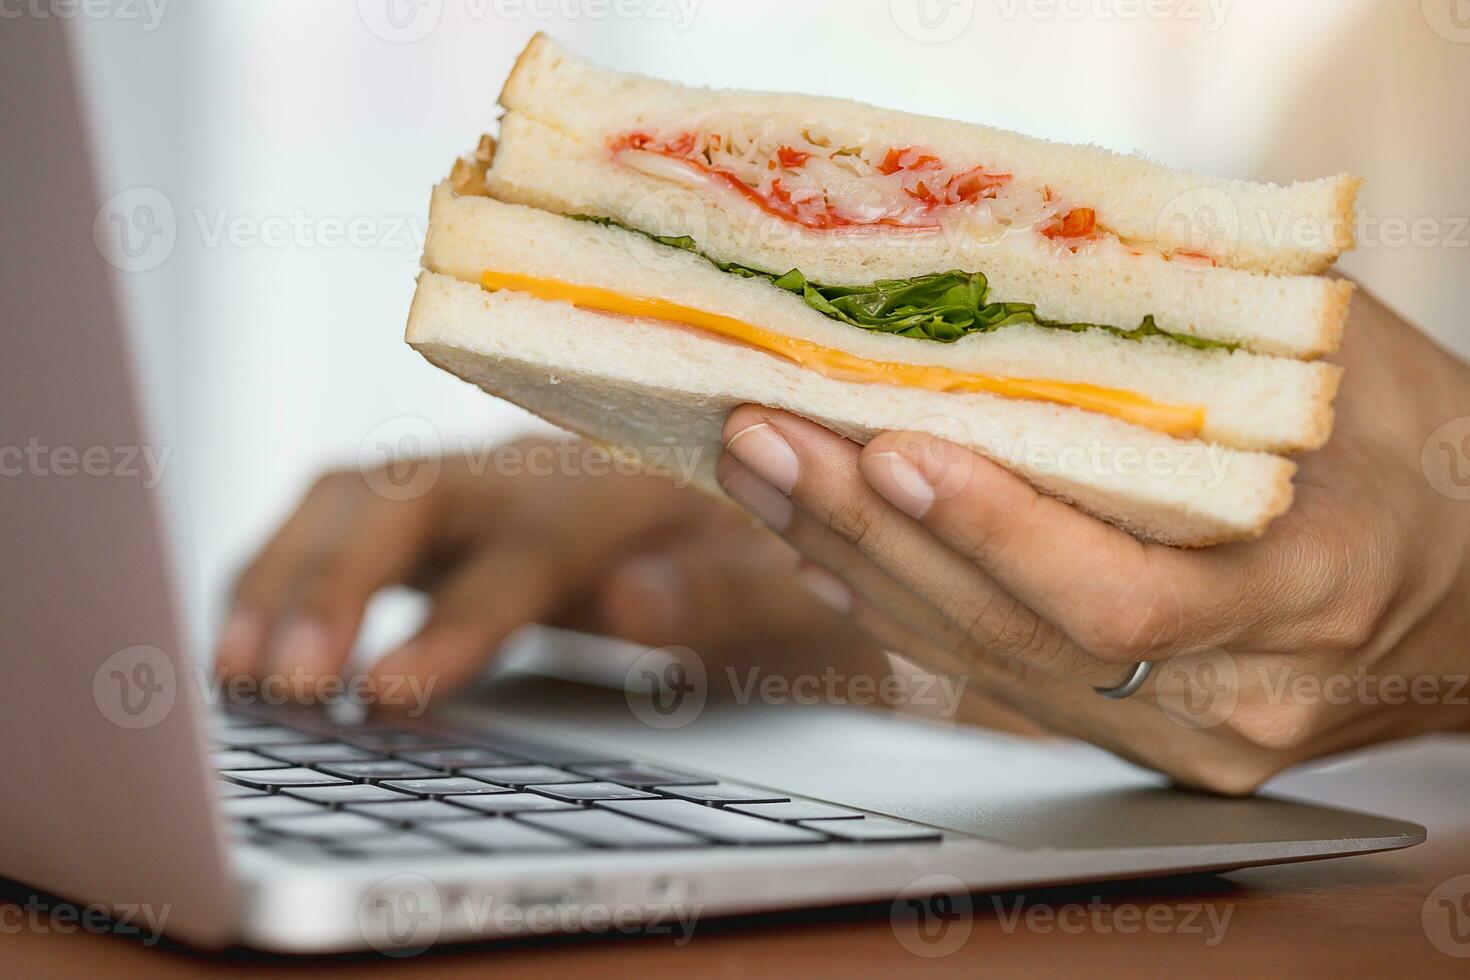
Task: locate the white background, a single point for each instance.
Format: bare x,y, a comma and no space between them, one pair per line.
267,362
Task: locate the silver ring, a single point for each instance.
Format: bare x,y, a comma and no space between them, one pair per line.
1135,680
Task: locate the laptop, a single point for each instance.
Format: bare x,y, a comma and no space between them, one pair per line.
535,805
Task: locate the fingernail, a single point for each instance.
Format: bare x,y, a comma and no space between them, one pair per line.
825,586
899,481
304,645
241,635
767,454
768,504
655,585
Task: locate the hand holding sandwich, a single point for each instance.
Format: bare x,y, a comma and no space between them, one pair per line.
1345,625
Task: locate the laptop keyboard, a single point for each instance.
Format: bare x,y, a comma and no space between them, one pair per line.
297,780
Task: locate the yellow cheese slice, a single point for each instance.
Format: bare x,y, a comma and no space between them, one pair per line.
1175,420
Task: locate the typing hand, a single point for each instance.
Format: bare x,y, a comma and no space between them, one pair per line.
635,557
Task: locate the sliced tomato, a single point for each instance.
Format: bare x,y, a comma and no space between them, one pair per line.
907,158
1076,223
791,159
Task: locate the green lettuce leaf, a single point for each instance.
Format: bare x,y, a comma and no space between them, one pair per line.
943,306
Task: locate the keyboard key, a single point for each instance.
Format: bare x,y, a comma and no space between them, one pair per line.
249,738
715,823
402,843
500,835
448,786
226,790
348,793
327,826
534,750
724,792
386,769
510,803
261,807
241,759
643,776
458,757
519,776
606,829
589,791
305,755
877,830
393,741
281,777
414,812
794,810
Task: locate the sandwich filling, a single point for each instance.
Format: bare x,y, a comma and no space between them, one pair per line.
1175,420
822,185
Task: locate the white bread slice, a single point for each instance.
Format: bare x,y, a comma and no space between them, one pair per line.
651,389
1282,230
1292,316
1252,401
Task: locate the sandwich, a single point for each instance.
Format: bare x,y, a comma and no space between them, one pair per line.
632,258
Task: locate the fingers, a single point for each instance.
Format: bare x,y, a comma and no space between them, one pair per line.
298,605
475,608
733,594
820,471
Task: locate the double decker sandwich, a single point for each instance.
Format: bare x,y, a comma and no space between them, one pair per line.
633,258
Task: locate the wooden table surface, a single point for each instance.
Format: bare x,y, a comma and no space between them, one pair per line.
1349,917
